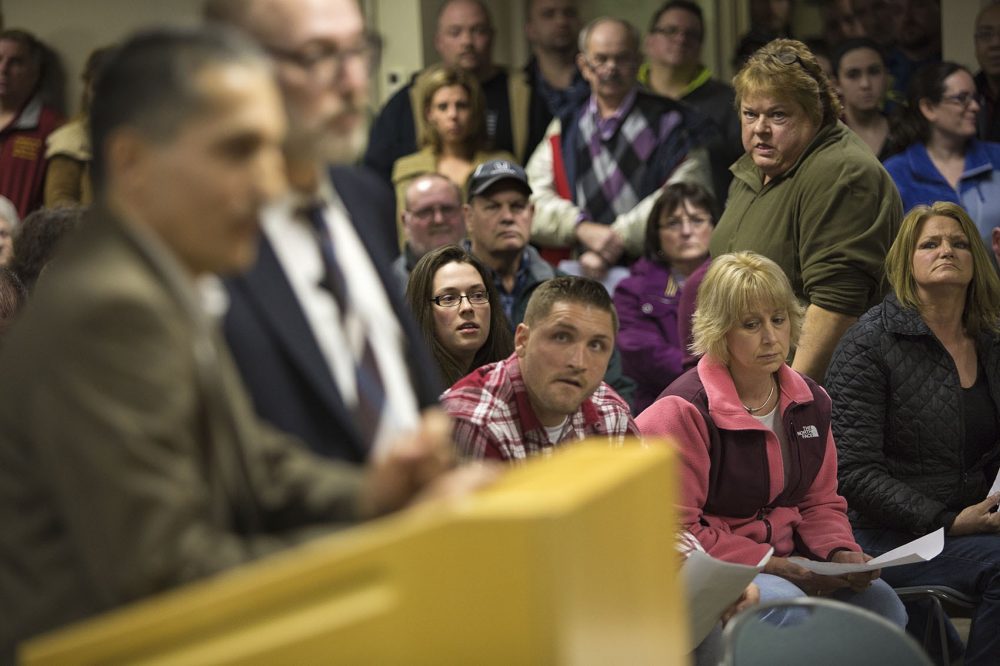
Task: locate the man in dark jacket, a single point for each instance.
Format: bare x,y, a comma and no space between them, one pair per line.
338,362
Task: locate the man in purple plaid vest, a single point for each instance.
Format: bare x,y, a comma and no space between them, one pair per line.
602,164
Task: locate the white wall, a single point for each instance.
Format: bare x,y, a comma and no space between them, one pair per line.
74,27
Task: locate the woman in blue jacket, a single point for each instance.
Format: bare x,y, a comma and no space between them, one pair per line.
942,160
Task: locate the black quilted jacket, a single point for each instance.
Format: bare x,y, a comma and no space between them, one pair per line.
898,423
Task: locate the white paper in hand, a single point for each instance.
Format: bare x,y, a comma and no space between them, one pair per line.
995,488
711,586
922,549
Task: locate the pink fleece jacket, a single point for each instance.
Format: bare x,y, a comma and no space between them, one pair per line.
815,526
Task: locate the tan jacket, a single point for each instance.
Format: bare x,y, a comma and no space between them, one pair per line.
130,458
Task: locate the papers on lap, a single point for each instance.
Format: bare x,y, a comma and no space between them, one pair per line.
711,586
923,549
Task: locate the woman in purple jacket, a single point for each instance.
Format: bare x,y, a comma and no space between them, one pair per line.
677,234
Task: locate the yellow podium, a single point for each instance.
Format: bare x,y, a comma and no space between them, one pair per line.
567,560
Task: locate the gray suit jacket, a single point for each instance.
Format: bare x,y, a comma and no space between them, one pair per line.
130,458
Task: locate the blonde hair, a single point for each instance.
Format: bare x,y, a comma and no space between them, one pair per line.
734,286
982,299
440,76
787,69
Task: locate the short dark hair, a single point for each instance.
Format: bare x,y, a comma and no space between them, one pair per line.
499,343
686,5
149,83
571,289
909,125
673,196
854,44
38,236
482,5
36,50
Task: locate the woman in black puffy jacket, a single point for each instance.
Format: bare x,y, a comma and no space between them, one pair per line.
916,413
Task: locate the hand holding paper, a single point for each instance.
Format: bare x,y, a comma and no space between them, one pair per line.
980,518
711,586
919,550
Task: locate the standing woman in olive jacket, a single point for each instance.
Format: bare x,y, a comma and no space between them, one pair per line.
916,399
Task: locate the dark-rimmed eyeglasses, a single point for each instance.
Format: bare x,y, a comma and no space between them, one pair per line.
430,212
963,99
452,300
601,61
325,62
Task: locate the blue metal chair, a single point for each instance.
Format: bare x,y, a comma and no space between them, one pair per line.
824,633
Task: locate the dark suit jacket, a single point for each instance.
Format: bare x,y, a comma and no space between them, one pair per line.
130,458
276,350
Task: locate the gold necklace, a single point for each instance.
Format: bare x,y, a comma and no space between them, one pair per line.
753,410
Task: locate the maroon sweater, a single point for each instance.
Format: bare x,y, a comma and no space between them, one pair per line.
22,155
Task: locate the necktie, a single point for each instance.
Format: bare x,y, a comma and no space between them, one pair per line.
368,378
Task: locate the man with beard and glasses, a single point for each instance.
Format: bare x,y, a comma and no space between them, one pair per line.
338,362
602,164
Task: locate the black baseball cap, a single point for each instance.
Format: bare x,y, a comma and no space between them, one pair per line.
490,173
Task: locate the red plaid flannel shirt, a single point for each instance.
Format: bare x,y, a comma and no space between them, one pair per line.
494,419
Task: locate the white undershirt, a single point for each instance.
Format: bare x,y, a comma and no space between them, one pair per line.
298,252
769,421
555,432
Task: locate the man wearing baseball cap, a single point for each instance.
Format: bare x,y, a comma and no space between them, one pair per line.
498,219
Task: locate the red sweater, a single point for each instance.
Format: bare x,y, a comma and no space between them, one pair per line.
22,155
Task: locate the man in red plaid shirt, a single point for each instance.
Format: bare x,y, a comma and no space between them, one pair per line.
549,391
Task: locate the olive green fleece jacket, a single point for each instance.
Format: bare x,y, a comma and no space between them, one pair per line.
828,221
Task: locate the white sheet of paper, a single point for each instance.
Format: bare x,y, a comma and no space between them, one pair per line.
995,488
711,586
922,549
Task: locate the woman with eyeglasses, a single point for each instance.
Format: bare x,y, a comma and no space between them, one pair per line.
677,234
452,295
941,158
454,138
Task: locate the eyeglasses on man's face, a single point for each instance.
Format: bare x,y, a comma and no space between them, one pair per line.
427,214
602,61
324,62
481,297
